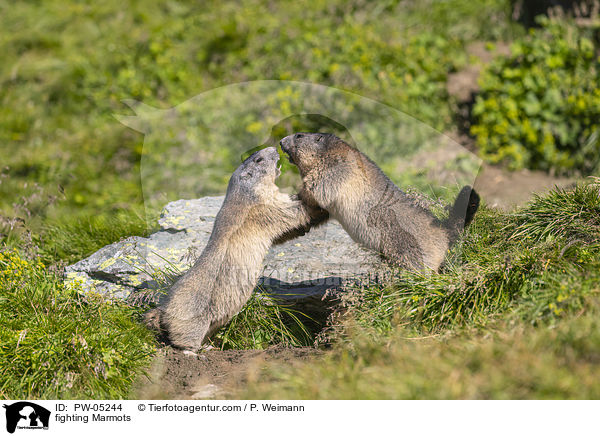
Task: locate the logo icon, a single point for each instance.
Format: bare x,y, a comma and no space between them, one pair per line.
26,415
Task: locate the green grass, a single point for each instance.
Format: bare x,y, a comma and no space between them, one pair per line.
520,287
57,343
505,362
74,239
514,314
67,67
69,239
265,321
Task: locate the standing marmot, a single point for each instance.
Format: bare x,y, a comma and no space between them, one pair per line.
374,211
214,289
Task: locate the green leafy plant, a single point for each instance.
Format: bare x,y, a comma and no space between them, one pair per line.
539,107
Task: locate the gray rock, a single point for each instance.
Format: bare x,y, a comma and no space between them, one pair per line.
308,272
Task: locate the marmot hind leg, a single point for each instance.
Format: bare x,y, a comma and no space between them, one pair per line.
188,334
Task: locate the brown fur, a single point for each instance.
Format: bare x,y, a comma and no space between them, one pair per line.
374,211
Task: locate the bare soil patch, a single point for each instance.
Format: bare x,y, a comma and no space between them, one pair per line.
209,374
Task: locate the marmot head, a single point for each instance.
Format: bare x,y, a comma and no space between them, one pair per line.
307,150
255,178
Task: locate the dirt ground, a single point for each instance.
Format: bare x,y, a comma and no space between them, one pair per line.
505,190
211,373
216,373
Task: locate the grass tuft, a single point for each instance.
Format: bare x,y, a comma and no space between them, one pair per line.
569,215
70,240
58,343
262,322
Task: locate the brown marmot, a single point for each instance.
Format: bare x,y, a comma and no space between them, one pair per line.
254,214
374,211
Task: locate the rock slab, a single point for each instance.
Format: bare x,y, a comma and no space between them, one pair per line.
308,272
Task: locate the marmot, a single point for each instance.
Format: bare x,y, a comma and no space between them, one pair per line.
254,214
374,211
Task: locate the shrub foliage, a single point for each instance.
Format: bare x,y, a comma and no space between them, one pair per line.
539,107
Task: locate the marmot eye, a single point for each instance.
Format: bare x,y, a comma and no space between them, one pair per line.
299,135
319,138
259,159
